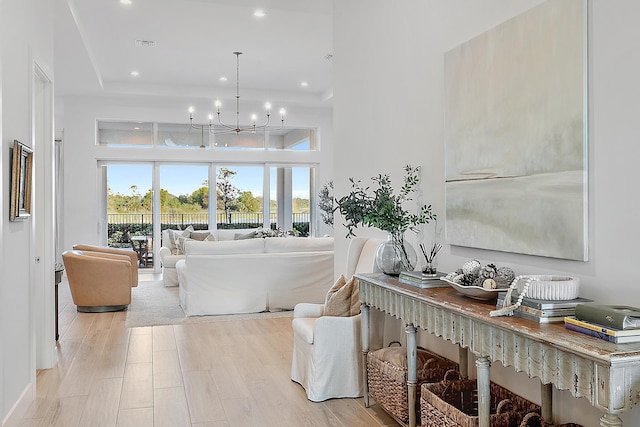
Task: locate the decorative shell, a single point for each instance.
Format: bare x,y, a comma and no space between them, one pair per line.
489,284
471,267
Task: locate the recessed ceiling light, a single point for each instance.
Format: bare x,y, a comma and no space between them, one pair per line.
304,84
136,127
135,74
223,79
145,43
259,13
127,2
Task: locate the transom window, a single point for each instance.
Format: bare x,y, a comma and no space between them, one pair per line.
175,135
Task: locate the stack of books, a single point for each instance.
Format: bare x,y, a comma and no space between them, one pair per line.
416,278
613,323
542,311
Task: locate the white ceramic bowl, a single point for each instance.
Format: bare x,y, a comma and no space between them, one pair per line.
551,287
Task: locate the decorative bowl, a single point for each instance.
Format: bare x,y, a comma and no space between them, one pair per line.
476,292
552,288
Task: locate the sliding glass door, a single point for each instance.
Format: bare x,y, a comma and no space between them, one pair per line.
129,204
144,198
239,196
184,196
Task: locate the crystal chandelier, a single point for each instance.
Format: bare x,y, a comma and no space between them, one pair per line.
221,128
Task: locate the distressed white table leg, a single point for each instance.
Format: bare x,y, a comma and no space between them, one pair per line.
610,420
364,335
484,397
463,361
546,395
412,375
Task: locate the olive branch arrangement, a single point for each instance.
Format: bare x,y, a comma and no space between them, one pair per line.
380,207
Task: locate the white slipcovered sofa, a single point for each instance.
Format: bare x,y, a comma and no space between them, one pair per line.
254,275
170,254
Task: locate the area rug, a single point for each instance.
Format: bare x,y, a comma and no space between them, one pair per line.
153,304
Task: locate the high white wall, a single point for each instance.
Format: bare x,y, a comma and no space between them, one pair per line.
26,37
81,183
2,209
388,112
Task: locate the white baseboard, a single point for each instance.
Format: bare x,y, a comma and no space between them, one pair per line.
15,415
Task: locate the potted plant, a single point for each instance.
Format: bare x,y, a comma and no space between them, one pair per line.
381,208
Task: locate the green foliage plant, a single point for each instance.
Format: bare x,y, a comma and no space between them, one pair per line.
381,208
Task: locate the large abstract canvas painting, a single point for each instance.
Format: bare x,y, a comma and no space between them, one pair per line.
515,135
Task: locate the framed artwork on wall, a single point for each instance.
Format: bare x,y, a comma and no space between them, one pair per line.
516,135
21,170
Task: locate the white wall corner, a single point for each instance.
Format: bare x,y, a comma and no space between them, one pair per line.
19,409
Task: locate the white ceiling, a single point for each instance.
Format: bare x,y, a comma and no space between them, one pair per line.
95,49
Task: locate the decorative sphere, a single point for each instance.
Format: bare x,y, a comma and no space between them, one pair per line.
471,267
505,276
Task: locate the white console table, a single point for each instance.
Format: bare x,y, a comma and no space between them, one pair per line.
606,374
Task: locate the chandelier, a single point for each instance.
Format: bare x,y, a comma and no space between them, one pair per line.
221,128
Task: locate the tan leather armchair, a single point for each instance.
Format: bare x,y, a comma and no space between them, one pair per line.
105,249
100,281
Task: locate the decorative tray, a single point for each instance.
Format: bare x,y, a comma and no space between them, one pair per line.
474,291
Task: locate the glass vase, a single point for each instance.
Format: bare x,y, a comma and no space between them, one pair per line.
396,255
430,268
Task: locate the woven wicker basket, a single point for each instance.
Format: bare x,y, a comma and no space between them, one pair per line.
533,419
454,403
387,379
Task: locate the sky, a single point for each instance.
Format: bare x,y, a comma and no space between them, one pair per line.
179,180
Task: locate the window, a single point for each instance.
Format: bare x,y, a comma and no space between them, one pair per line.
174,135
239,196
155,192
293,139
181,136
290,203
184,196
125,133
129,203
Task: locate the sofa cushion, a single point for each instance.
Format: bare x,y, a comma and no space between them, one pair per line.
338,302
203,235
298,244
245,236
355,298
174,235
230,233
224,247
180,245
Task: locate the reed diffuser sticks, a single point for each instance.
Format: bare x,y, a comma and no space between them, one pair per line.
431,255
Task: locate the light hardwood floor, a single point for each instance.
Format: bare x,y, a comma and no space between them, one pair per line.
217,374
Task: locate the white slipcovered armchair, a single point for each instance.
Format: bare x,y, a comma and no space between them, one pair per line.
327,351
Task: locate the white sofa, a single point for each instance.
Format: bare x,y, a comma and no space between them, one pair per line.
254,275
169,255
